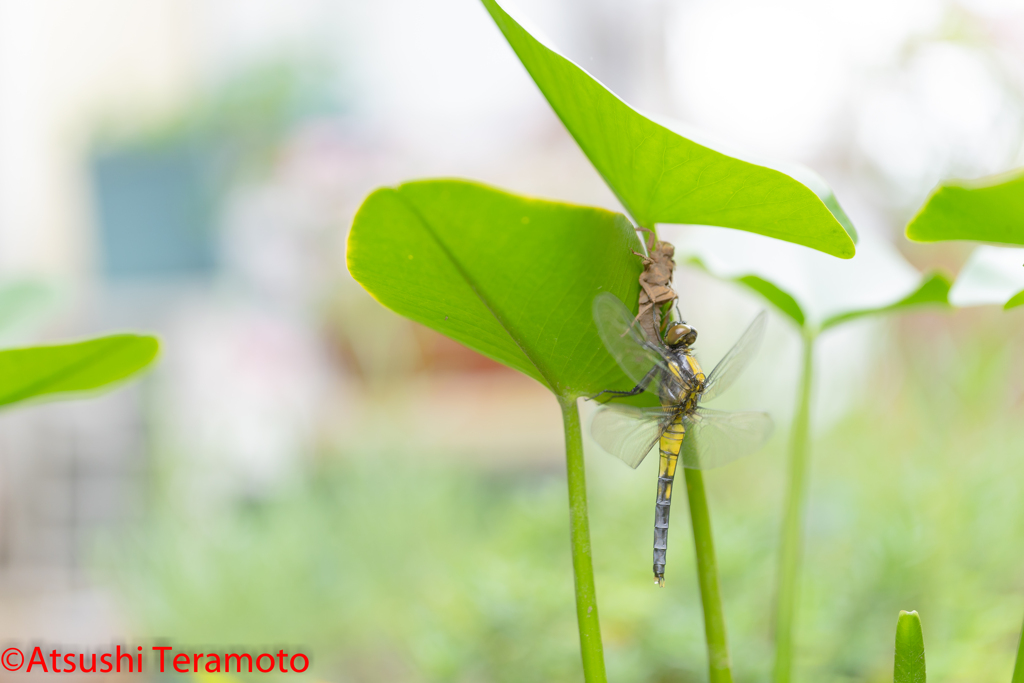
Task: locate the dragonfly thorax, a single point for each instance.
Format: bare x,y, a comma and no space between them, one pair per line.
687,382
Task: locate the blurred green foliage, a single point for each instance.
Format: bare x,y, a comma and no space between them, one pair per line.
23,300
243,118
398,567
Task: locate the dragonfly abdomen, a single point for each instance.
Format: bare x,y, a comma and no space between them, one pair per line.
669,445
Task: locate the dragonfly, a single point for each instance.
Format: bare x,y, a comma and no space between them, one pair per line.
680,427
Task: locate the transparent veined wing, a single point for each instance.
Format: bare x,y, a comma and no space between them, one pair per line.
625,341
732,364
715,438
629,433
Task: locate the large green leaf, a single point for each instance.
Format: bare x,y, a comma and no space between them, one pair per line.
511,277
908,663
663,177
988,210
84,366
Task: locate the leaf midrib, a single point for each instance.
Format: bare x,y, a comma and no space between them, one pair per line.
39,386
473,286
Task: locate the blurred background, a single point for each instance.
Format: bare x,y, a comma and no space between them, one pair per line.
306,468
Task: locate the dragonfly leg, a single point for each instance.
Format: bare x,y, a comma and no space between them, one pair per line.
652,241
638,389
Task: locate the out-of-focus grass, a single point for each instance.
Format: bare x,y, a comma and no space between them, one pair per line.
391,568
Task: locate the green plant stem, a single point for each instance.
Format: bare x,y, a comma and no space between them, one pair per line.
1018,667
787,589
582,563
707,574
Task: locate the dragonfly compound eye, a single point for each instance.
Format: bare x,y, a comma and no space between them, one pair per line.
680,334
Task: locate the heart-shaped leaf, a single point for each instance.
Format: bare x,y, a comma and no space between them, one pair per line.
663,177
511,277
992,275
908,663
987,210
65,368
813,291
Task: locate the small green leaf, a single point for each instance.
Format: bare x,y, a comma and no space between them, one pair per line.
814,291
909,666
776,296
510,277
663,177
1016,300
934,289
988,210
780,299
83,366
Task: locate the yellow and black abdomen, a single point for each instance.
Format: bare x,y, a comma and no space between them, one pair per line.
669,447
681,392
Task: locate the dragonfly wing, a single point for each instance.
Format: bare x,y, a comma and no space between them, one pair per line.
625,340
715,438
730,367
629,433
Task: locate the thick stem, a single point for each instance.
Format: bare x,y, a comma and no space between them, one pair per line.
707,574
582,564
787,590
1018,667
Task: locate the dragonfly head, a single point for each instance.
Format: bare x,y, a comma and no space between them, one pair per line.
680,334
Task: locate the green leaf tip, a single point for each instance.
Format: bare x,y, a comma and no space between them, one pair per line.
661,176
39,371
909,664
511,277
986,210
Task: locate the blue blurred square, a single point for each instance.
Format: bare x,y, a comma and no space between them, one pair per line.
156,211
